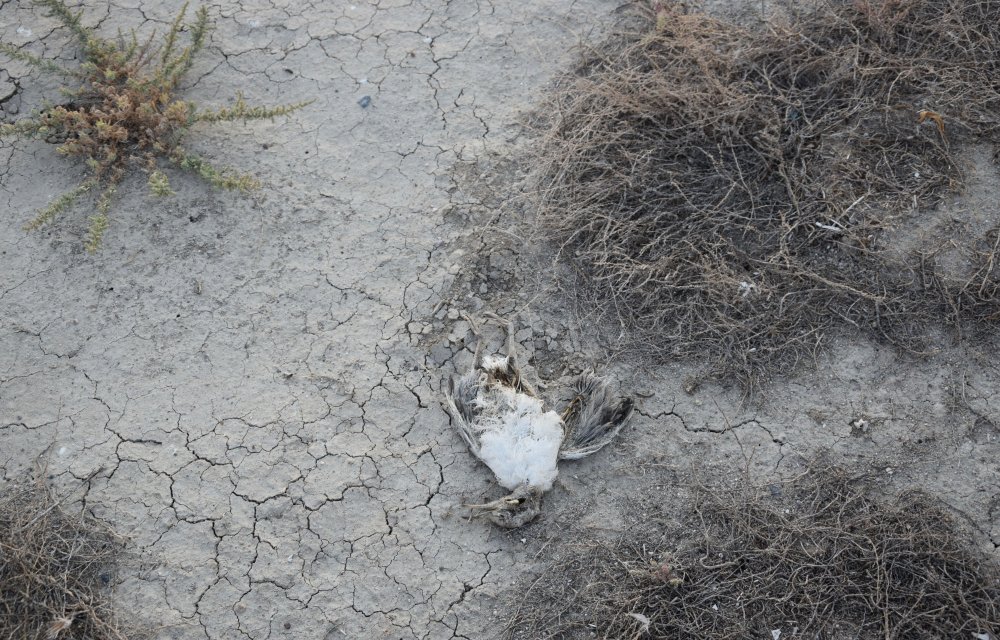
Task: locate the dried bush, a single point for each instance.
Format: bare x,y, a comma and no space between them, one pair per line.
820,557
737,192
124,113
56,568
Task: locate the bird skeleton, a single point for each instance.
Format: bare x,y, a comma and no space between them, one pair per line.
504,424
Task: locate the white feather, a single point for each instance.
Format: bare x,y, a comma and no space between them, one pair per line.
495,363
519,441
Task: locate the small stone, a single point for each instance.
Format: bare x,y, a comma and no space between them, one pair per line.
459,331
364,102
415,327
483,288
453,314
454,269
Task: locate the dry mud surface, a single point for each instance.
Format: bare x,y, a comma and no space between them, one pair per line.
257,383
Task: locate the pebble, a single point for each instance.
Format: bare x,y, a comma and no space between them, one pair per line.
416,327
364,102
483,288
459,331
453,314
454,269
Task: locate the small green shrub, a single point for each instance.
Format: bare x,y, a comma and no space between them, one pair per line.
124,113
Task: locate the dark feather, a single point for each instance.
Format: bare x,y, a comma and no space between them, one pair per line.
593,418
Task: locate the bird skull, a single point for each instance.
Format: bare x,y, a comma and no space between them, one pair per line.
512,511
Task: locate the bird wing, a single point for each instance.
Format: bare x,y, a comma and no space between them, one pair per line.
593,418
461,398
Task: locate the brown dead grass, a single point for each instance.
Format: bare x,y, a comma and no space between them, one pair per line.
819,557
730,190
57,568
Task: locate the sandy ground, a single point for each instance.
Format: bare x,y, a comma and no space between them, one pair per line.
256,382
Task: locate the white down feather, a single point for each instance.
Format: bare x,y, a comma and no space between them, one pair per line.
518,441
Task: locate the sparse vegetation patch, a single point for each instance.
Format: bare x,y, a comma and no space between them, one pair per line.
821,556
57,568
737,192
124,113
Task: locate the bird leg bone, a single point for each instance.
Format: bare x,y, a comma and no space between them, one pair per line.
512,511
506,502
477,358
509,328
515,499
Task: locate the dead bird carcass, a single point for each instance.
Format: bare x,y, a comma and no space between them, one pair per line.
505,424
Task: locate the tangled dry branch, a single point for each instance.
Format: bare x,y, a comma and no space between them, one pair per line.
736,191
56,568
820,557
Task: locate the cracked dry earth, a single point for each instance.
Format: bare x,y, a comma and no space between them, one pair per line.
257,383
250,377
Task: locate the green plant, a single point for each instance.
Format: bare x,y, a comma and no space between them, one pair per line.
124,113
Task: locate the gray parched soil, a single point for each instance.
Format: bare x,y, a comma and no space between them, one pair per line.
253,385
